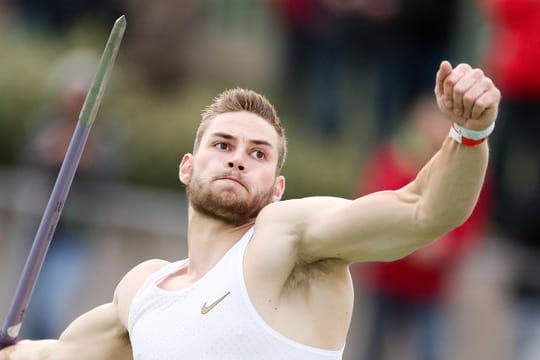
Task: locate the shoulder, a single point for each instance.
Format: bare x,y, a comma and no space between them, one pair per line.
143,270
299,210
288,222
137,275
280,230
131,282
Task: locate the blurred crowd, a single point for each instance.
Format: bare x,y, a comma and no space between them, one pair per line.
344,74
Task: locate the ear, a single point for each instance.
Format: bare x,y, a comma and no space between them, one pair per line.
185,168
279,188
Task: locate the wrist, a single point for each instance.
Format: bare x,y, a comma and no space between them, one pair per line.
470,137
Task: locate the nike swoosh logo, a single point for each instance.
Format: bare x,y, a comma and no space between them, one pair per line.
206,308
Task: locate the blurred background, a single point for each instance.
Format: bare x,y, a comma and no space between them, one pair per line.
352,81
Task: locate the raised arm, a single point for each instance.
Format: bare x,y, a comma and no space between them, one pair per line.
390,224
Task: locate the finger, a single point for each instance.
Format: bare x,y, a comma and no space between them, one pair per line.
469,102
451,80
486,102
467,90
444,70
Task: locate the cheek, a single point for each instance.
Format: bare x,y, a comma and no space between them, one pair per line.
266,178
212,159
196,175
201,166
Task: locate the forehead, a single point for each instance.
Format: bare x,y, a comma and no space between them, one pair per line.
242,125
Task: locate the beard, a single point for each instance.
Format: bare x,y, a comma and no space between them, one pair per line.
226,205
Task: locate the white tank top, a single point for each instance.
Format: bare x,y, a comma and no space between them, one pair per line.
213,319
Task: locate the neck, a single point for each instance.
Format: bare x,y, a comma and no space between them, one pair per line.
208,240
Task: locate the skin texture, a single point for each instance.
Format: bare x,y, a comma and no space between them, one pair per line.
296,264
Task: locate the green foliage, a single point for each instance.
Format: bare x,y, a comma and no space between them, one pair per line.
157,126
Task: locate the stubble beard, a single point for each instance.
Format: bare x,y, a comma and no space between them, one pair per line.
226,205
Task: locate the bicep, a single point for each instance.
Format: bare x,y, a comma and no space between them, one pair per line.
98,333
380,226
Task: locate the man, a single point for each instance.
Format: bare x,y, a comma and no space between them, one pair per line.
269,279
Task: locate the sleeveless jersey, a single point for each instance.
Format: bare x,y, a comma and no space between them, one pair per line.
212,319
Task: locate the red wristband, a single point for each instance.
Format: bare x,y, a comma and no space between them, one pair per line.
469,137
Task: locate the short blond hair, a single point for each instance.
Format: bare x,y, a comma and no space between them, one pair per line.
239,99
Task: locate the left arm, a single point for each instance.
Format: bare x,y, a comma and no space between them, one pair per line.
388,225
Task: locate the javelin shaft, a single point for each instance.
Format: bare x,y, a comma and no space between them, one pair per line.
45,232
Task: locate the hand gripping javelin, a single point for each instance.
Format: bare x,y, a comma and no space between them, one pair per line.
27,281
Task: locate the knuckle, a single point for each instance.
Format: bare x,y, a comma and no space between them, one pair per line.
459,91
492,100
469,98
460,88
478,73
451,80
481,103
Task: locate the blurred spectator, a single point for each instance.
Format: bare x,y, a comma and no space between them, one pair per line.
405,39
409,39
512,61
60,15
68,254
312,62
161,39
416,36
6,7
408,295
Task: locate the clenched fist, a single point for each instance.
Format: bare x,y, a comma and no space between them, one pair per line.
466,96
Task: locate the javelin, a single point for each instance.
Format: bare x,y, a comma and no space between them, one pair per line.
27,281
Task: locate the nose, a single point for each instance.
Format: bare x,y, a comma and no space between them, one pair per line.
234,164
237,158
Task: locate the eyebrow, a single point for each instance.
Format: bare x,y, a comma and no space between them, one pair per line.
231,137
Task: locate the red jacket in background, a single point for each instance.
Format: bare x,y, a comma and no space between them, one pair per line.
513,56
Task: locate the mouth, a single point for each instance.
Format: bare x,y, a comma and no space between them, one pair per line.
233,179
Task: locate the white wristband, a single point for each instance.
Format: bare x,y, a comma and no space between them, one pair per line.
474,134
470,137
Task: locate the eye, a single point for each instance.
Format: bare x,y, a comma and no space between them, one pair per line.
222,146
258,154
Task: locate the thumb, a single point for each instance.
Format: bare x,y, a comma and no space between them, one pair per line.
444,70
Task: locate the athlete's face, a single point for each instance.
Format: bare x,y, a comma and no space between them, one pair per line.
232,174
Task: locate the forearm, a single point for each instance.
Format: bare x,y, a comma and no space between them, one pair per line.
97,334
449,186
29,349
